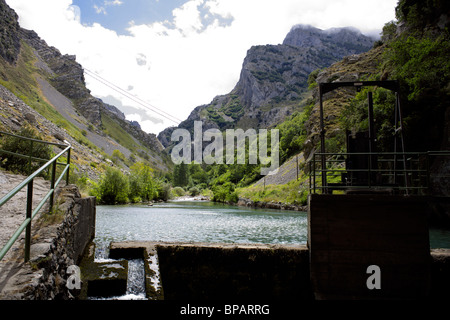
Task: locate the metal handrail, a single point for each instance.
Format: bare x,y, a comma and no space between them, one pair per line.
30,214
380,168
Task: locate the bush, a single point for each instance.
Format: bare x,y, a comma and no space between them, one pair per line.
194,191
225,192
178,192
22,146
113,187
162,191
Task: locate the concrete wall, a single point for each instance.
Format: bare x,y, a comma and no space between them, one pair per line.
349,233
221,271
229,272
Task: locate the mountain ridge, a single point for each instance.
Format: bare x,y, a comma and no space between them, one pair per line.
273,79
53,84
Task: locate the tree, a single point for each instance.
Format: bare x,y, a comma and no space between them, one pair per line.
113,187
142,186
180,175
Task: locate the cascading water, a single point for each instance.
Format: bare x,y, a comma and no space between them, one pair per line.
136,280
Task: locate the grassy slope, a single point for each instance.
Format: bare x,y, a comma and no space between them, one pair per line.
20,80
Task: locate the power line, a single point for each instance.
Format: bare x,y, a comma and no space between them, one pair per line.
134,98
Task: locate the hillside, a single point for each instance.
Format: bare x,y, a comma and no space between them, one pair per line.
50,87
415,50
273,79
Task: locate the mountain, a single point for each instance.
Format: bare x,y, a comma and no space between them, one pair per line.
273,79
51,88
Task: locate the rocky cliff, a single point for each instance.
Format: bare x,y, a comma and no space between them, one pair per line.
53,85
67,76
273,79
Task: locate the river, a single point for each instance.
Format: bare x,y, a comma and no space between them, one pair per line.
203,221
199,221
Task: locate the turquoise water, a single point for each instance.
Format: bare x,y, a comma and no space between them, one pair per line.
195,221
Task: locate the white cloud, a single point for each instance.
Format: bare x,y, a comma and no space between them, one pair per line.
179,64
99,9
102,9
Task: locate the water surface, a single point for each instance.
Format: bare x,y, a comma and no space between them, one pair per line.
195,221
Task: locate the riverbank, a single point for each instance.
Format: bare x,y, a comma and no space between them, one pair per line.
245,202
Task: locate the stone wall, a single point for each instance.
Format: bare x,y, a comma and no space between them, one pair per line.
58,241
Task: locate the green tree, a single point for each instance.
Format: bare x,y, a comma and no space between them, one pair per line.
420,61
141,184
113,187
181,175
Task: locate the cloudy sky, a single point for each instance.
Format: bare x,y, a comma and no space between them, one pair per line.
157,60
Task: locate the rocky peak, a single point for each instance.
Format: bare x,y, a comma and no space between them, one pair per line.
337,41
9,39
273,79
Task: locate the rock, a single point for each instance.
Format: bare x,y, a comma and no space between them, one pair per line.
39,251
273,77
30,118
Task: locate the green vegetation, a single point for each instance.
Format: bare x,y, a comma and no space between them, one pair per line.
20,79
115,131
419,59
116,187
293,132
24,147
294,192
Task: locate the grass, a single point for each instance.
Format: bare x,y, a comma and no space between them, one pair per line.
115,131
294,192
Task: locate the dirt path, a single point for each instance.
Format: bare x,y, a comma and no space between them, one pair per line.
12,213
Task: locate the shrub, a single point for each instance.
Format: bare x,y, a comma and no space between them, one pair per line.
178,192
22,146
194,191
113,187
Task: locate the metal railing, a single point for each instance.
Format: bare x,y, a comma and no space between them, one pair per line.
390,172
54,181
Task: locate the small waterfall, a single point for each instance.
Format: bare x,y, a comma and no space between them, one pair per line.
136,280
136,276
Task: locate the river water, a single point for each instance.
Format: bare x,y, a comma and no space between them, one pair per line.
200,221
197,221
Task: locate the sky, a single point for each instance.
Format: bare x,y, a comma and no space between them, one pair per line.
156,60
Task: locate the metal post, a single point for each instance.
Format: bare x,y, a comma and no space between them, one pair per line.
400,118
28,216
52,185
427,189
322,142
310,177
372,138
68,162
396,129
371,123
29,157
314,171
